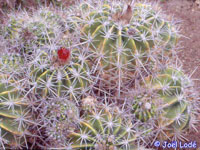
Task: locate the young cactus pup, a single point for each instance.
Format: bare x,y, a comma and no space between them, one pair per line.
143,107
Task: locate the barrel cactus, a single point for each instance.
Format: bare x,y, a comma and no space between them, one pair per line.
14,114
87,52
33,30
173,102
104,129
126,38
60,73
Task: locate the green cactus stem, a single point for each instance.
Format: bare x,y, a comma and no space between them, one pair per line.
59,75
173,103
126,38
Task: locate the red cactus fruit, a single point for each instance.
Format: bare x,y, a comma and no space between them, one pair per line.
63,54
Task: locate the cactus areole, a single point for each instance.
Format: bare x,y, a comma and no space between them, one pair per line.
63,54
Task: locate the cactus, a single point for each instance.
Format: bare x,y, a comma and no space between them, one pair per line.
61,73
173,104
126,39
14,113
103,128
166,101
11,29
59,116
32,31
143,107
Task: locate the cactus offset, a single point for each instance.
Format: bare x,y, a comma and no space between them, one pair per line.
143,108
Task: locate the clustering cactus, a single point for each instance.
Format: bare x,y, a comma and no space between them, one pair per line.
54,59
167,101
